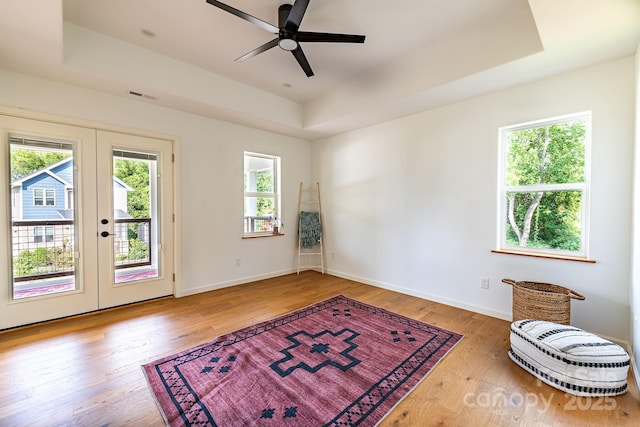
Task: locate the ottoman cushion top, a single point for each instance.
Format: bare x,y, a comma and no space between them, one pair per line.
569,358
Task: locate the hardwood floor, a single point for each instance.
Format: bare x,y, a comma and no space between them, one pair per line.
85,371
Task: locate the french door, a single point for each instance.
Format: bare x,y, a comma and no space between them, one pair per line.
135,223
88,223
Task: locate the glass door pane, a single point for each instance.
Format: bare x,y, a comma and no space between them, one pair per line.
135,205
135,215
43,242
49,231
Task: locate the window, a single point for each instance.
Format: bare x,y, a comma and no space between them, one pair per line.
44,197
43,234
261,193
544,186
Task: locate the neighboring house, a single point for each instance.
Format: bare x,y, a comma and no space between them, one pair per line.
43,198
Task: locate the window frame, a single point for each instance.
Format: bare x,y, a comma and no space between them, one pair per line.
275,194
47,194
43,233
583,187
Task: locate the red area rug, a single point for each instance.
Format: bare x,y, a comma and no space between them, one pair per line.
338,362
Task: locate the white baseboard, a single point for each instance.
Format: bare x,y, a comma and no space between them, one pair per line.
465,306
383,285
406,291
634,367
424,295
239,281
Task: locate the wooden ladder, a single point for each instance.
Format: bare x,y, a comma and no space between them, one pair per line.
315,205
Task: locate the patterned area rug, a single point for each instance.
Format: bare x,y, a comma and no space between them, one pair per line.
338,362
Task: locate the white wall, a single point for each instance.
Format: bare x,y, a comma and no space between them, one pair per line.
411,204
634,293
408,204
211,177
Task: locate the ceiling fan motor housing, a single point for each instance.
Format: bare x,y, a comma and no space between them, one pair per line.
286,37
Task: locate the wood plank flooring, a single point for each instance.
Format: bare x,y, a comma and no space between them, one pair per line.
85,371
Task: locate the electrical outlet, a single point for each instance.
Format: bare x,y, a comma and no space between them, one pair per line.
237,262
333,255
484,283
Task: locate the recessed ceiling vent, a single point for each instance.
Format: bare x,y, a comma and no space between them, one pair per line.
142,95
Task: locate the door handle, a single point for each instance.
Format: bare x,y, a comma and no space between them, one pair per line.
106,234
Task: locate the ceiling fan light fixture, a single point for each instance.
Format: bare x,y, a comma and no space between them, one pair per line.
288,44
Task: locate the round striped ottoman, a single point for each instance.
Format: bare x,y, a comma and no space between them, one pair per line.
569,358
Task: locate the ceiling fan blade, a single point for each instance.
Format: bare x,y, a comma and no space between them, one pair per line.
240,14
302,60
258,50
310,37
296,15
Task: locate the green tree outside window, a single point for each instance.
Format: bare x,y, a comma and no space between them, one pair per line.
545,185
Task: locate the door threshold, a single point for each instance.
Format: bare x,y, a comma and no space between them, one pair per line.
81,315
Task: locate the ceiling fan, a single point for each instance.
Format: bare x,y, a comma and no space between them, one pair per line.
288,35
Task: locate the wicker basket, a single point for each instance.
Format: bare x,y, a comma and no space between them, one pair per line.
542,301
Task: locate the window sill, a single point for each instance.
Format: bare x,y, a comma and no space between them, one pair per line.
259,235
548,256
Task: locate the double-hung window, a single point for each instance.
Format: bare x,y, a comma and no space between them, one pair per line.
261,194
544,186
43,234
44,197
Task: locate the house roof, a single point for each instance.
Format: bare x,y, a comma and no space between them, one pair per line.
46,170
117,214
121,184
117,182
